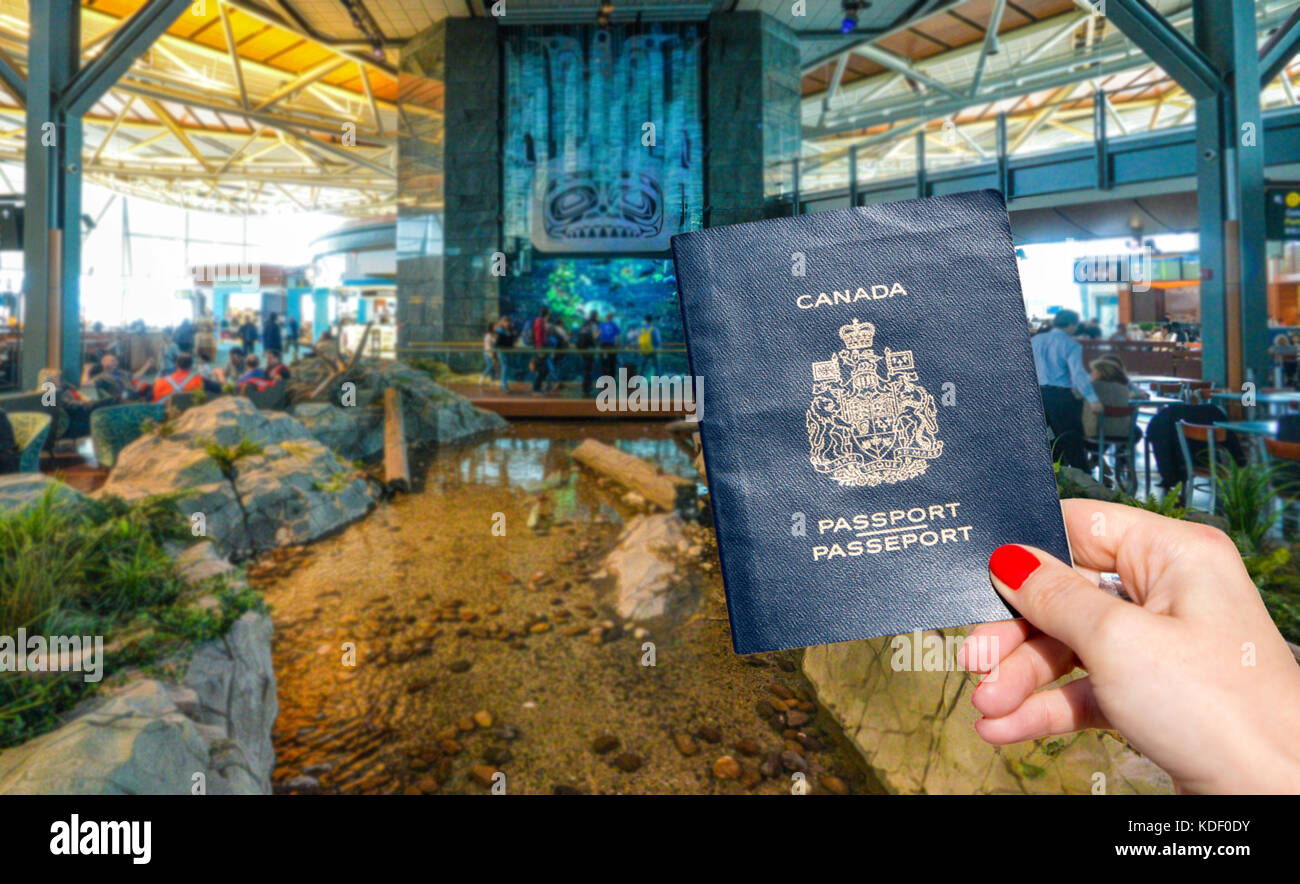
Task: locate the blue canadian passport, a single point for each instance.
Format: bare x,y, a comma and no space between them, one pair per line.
871,423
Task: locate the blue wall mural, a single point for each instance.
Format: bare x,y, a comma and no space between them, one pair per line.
603,149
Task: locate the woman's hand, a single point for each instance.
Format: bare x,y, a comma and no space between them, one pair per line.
1194,674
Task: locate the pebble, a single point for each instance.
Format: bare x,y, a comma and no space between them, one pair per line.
460,665
604,743
685,744
797,718
465,725
709,733
748,747
306,784
628,762
497,755
781,691
834,785
538,628
451,747
483,774
427,785
793,761
726,768
483,718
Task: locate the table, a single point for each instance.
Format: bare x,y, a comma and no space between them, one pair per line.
1256,430
1155,400
1284,398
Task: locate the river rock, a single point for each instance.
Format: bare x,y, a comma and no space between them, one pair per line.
915,730
148,737
646,583
19,490
292,491
353,425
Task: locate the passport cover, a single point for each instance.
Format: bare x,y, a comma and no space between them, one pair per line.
871,420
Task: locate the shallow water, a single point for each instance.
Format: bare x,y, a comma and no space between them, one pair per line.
448,618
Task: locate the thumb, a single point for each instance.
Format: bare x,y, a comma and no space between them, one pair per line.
1053,596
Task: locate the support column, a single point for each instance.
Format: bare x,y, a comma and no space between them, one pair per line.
60,90
449,183
1230,189
753,74
51,321
1220,69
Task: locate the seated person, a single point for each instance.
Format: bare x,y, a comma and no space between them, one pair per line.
235,366
1111,383
9,453
183,380
208,371
275,368
255,377
74,404
115,384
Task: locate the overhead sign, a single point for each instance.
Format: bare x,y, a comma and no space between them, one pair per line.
1282,213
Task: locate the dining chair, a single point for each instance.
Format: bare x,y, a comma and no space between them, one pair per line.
1121,447
1285,480
1211,436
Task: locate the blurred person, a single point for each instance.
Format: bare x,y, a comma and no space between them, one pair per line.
588,337
608,342
489,355
538,335
648,342
292,331
183,380
248,334
114,383
1058,360
272,338
234,365
10,455
254,376
275,367
207,370
503,343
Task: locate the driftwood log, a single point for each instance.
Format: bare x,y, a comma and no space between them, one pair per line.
397,471
344,368
665,490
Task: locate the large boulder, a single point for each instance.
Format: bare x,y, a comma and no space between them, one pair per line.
351,420
644,566
916,731
148,737
19,490
283,488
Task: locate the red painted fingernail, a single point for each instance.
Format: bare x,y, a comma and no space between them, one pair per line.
1013,564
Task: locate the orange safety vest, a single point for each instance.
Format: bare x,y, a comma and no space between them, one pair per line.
165,386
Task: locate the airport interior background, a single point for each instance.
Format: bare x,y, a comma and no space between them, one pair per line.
303,304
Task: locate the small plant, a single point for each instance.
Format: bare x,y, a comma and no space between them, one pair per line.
1245,494
226,456
1170,505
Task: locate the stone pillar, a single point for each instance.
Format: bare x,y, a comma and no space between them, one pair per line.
753,125
448,183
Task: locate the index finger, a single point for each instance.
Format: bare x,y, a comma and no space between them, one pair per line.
1137,544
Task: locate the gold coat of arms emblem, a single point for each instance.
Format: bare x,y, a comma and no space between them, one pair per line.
868,428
